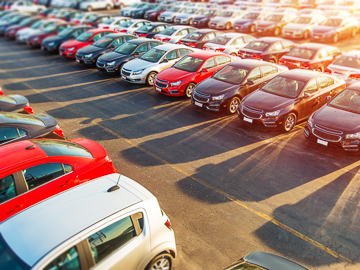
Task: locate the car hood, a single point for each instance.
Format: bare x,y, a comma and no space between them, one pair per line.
333,118
48,120
212,86
244,21
173,74
323,29
90,49
295,26
111,56
137,64
266,101
73,43
266,23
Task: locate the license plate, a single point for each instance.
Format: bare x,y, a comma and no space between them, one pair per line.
123,77
158,89
198,104
247,120
322,142
77,60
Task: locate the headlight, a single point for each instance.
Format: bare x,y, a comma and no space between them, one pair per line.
51,43
310,121
88,55
110,63
176,83
272,114
71,49
221,97
354,136
137,72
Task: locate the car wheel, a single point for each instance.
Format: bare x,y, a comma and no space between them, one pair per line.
160,262
233,54
252,28
151,78
227,26
306,34
354,31
89,8
108,7
191,21
189,89
158,18
289,122
320,69
233,105
121,6
273,60
336,38
277,31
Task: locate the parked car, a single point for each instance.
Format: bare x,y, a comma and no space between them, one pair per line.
247,22
174,33
188,15
139,12
274,23
203,19
4,25
151,29
193,68
154,14
269,49
15,103
112,62
169,15
131,26
289,98
17,127
144,69
36,39
26,6
307,4
94,21
336,13
91,5
225,19
113,22
301,26
263,260
83,17
313,56
88,55
35,28
197,39
12,30
337,123
115,223
69,48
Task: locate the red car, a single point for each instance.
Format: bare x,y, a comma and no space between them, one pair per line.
34,170
12,30
182,77
35,40
69,48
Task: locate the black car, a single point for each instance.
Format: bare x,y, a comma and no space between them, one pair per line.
150,30
247,22
51,44
203,20
95,20
88,55
16,127
112,62
15,103
139,12
226,88
13,21
68,15
269,49
197,39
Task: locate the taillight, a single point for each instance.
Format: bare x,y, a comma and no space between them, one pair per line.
1,92
281,61
168,224
109,165
88,24
143,35
179,42
239,53
123,31
354,76
106,27
192,44
166,40
220,50
328,71
28,109
77,21
59,132
304,65
257,56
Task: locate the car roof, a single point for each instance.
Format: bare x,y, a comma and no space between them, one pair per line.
271,261
315,46
141,40
98,30
354,86
169,46
205,54
354,53
250,63
205,30
269,39
231,35
302,74
75,205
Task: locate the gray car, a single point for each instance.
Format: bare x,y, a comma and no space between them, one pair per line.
169,16
188,16
301,26
174,34
225,19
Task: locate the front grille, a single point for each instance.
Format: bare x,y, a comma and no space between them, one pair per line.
201,96
79,57
251,112
159,84
327,134
100,64
62,50
126,72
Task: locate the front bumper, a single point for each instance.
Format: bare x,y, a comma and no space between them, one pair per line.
204,101
48,48
67,54
217,25
242,28
164,87
126,75
166,19
292,34
265,31
182,21
89,61
269,122
103,67
34,42
321,37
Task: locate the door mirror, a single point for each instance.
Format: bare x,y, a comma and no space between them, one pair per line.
249,83
306,95
164,61
328,98
136,53
203,70
111,46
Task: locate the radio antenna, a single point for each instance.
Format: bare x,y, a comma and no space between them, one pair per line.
116,187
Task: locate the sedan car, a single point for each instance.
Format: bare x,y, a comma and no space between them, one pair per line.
229,43
139,12
334,28
226,88
169,15
274,23
17,127
225,19
151,29
131,26
197,39
15,103
154,14
188,15
313,56
91,5
144,69
289,98
112,62
88,55
247,22
36,39
269,49
184,75
203,19
69,48
301,26
12,30
337,124
46,168
95,20
4,25
346,67
113,22
174,33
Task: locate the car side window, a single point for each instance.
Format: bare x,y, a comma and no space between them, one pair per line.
159,28
268,70
311,87
128,38
76,33
38,175
117,42
325,82
287,44
7,188
183,52
254,75
209,36
171,55
154,44
238,41
109,239
7,134
183,32
210,63
276,47
322,53
68,260
222,59
142,48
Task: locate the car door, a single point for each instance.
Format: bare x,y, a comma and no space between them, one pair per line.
168,59
309,100
206,70
326,88
253,82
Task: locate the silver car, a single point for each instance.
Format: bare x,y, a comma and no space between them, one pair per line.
188,16
90,5
144,69
225,19
129,27
174,34
346,67
229,43
169,16
301,26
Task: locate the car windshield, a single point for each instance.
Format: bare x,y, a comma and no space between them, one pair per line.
174,9
208,12
25,21
66,32
126,48
62,148
109,21
348,100
154,55
50,28
37,24
84,36
226,13
189,63
251,16
332,22
301,53
231,74
348,61
274,18
220,40
193,36
126,24
146,28
9,259
168,31
257,45
92,18
18,118
285,87
15,20
103,42
302,20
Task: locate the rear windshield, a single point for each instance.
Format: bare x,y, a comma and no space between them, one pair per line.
145,28
126,24
109,21
348,61
126,48
9,260
257,45
18,118
84,36
62,148
220,40
193,36
7,99
301,53
168,31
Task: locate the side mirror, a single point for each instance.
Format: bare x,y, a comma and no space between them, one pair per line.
328,98
164,61
306,95
204,70
111,46
249,83
136,53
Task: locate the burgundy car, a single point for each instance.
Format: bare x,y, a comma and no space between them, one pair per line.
51,30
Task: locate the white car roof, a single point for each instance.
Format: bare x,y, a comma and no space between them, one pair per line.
353,53
34,232
169,46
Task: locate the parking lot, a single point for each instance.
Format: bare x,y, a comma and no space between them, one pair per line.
228,188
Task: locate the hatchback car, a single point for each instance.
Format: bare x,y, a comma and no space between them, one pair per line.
150,30
115,224
144,69
288,98
313,56
269,49
337,123
301,26
54,29
69,48
197,39
15,103
46,167
274,23
225,19
184,75
88,55
174,33
112,62
226,88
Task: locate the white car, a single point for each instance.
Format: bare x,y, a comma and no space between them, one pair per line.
143,70
36,27
174,34
26,6
346,67
90,5
131,26
113,22
111,222
301,26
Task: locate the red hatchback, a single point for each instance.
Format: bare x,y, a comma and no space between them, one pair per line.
69,48
182,77
32,171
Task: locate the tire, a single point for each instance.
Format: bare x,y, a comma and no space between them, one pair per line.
227,26
233,54
189,89
320,69
158,18
273,60
89,8
191,21
353,32
306,34
277,31
161,262
289,122
150,79
108,7
336,38
233,104
252,28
